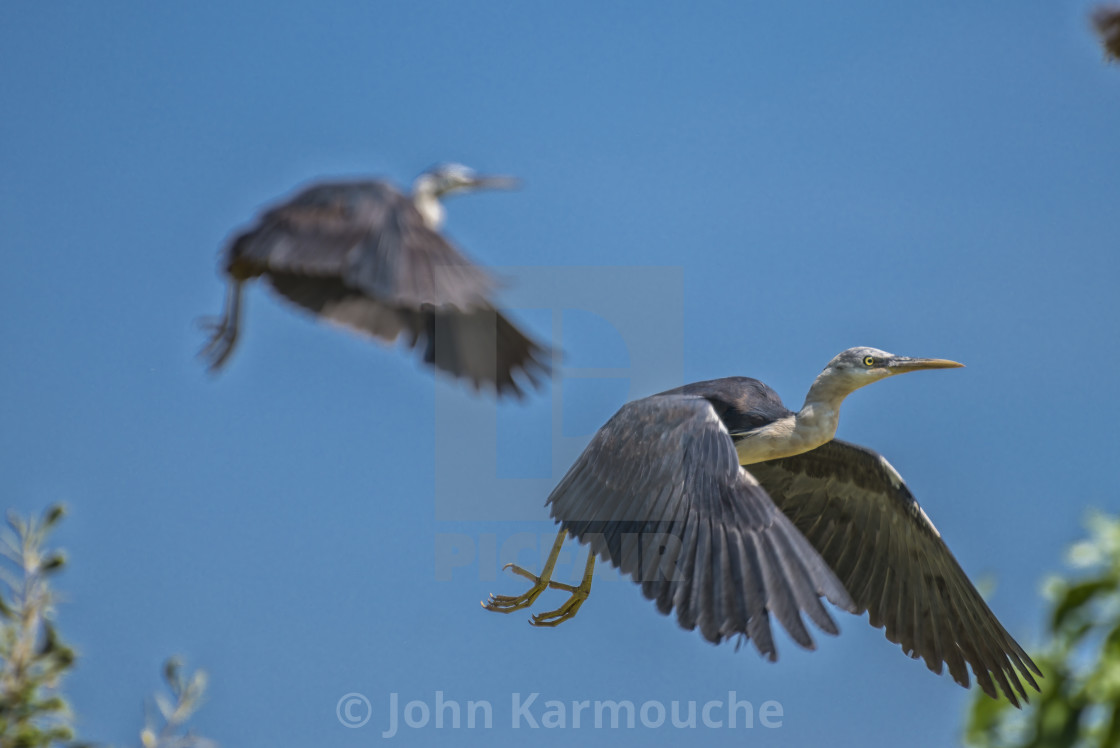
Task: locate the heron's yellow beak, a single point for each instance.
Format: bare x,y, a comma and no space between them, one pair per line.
496,182
902,364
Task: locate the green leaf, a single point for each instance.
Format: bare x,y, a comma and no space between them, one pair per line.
1076,596
54,562
984,720
53,515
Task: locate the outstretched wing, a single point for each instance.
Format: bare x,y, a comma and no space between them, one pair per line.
856,510
660,494
369,236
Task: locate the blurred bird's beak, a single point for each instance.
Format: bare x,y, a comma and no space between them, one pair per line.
902,364
496,182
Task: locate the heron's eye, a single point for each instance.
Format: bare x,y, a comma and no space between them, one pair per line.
868,360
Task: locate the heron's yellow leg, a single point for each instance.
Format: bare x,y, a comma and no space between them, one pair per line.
572,606
510,603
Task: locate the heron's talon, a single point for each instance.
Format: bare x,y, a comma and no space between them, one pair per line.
510,603
565,612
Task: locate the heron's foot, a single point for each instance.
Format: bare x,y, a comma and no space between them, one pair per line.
223,336
568,609
510,603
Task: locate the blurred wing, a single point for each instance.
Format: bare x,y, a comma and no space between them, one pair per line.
480,345
855,509
660,494
330,299
483,346
413,266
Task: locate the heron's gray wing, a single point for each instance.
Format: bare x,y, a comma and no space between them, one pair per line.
660,494
479,345
856,510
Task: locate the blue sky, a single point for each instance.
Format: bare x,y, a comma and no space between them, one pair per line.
709,190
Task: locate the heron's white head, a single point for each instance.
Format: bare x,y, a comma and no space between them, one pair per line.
448,179
859,367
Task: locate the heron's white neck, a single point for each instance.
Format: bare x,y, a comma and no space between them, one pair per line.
429,206
807,429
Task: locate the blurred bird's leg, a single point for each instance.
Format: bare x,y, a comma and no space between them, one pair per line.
510,603
572,606
223,329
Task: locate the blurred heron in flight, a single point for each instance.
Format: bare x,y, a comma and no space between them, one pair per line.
365,256
725,505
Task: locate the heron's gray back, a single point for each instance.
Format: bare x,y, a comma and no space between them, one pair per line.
742,403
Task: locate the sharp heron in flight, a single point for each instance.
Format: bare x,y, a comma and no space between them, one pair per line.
725,505
365,256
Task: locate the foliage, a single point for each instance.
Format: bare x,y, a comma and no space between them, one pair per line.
1080,702
187,695
1106,19
34,659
